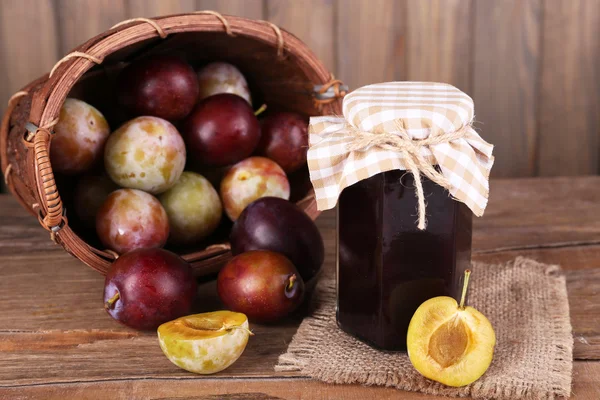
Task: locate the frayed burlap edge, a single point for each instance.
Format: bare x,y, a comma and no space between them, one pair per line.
305,352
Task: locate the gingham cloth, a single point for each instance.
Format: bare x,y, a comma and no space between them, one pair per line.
422,109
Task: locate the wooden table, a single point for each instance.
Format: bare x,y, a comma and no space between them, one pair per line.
56,341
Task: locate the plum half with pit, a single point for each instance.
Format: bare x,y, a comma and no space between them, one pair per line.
146,153
284,139
221,130
148,287
249,180
205,343
221,77
163,86
193,207
130,219
275,224
264,285
79,138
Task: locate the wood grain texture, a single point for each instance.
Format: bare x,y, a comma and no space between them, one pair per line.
157,8
51,315
505,81
241,8
54,326
570,88
371,40
439,41
77,21
531,213
20,234
584,291
313,21
28,43
197,388
586,387
586,380
531,65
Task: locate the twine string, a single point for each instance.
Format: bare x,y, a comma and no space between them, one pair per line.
410,148
161,32
336,84
16,96
50,124
221,18
7,173
47,127
279,35
75,54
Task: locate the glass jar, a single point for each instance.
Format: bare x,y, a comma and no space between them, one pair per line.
386,266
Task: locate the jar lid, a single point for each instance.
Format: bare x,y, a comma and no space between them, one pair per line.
401,125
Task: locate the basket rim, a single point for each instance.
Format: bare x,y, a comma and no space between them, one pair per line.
49,98
58,86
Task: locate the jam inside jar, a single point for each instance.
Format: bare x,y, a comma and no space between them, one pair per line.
386,266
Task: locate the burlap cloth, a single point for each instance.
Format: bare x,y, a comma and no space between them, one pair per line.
525,301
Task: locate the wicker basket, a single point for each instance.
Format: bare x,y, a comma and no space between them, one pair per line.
277,64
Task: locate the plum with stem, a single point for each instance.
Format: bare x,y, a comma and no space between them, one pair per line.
148,287
264,285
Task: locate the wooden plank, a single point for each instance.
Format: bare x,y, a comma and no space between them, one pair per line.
518,217
82,20
51,315
313,21
241,8
570,257
586,380
439,41
55,316
586,386
158,8
62,322
505,87
198,388
530,212
569,95
584,292
371,40
27,28
92,355
20,232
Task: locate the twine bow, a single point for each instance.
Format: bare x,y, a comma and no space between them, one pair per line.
401,141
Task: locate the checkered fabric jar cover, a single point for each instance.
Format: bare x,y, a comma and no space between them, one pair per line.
415,110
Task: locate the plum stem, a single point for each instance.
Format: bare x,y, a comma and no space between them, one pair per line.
260,110
464,290
111,302
291,281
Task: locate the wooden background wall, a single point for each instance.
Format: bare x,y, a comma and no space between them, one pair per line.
532,66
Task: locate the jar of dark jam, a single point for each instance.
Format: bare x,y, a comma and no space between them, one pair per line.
386,266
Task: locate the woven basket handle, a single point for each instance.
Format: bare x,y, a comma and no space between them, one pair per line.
53,219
